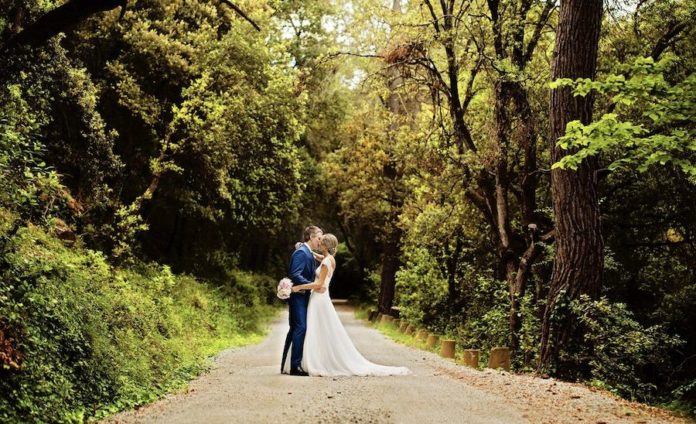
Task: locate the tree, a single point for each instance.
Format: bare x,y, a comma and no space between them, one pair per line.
579,257
368,171
472,53
404,105
171,118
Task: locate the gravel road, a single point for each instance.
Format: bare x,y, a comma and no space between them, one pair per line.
245,386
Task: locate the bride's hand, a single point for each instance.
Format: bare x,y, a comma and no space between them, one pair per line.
295,289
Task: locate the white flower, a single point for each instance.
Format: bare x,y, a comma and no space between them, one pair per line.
284,288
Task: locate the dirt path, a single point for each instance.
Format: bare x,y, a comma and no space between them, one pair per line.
245,386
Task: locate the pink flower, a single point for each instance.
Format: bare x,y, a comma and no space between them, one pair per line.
284,288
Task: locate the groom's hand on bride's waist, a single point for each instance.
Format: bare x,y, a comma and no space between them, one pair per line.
320,290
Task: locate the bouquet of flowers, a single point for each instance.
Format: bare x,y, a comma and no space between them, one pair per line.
284,288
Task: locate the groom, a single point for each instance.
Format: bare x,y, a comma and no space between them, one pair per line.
302,270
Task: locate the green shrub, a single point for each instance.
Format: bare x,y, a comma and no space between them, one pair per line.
29,186
422,291
618,353
684,399
90,339
473,308
487,324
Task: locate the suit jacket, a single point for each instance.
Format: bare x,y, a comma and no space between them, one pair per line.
302,266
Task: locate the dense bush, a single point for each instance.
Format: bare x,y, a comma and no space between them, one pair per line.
483,306
422,291
28,183
84,339
618,353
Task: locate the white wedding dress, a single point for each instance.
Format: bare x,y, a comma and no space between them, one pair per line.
328,350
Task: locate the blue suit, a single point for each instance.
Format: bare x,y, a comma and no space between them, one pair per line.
302,271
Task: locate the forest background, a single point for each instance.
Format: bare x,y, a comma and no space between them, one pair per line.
159,160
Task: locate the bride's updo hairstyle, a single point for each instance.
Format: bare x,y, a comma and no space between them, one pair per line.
330,242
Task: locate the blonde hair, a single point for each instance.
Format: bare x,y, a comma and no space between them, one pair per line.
330,242
309,231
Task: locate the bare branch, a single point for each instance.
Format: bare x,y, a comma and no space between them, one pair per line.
470,92
365,55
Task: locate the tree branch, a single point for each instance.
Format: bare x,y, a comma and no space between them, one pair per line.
432,13
59,20
367,55
73,13
673,31
241,13
538,28
470,93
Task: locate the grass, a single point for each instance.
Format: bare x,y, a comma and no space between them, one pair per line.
185,373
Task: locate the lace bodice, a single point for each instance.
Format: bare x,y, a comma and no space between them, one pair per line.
327,262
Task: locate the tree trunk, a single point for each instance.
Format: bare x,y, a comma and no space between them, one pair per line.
579,245
519,268
516,252
408,106
506,254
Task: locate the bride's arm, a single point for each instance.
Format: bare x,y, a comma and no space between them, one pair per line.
317,284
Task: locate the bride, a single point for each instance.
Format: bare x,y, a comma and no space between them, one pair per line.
328,350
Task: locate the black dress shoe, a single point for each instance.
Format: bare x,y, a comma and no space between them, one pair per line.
298,371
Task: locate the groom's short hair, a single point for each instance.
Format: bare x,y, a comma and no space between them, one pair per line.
310,231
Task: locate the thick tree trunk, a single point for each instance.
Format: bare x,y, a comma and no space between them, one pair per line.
579,245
